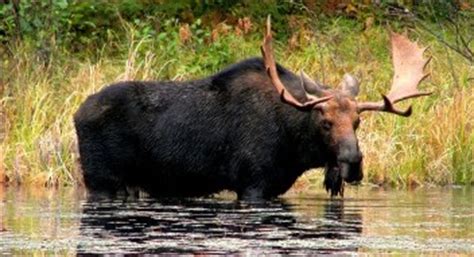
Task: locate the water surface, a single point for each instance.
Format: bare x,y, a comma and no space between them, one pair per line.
367,220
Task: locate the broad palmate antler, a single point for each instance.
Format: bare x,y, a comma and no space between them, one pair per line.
408,63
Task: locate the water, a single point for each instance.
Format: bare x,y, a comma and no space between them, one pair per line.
65,222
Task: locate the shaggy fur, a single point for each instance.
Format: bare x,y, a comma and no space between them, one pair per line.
228,131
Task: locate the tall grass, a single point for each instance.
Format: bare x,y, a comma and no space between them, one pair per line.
434,146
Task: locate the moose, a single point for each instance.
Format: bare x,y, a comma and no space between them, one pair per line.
252,128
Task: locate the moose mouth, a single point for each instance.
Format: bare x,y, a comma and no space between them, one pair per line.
340,172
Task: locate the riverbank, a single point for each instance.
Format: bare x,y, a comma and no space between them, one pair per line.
41,91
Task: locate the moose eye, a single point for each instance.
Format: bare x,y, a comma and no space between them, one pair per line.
326,125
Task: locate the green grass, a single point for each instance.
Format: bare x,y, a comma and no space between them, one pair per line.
434,146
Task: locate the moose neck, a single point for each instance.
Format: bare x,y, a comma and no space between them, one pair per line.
306,144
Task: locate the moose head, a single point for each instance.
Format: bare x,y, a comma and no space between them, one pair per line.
336,112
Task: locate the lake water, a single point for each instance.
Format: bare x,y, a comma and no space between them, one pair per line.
368,220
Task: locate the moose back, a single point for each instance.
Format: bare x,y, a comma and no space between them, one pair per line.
252,128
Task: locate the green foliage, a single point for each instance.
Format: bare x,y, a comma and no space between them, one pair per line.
83,24
63,52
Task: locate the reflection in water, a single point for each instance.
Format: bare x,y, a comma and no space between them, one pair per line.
64,222
341,224
211,226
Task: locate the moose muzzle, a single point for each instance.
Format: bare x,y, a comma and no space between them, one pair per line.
348,167
349,160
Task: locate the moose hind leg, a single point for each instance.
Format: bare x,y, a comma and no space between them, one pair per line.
104,162
98,175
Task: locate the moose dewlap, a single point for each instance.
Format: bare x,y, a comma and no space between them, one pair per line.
253,128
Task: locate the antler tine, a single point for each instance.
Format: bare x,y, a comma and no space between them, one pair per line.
270,66
408,63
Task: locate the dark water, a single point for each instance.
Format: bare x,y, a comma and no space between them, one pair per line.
65,222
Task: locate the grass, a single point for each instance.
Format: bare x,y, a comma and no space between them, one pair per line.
434,146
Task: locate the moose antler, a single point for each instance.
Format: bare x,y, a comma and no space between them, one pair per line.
270,66
408,63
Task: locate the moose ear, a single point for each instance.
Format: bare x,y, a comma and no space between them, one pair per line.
349,85
310,86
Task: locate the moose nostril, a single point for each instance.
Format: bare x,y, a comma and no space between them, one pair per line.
350,158
348,150
358,157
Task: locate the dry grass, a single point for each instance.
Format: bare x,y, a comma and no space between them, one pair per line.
434,146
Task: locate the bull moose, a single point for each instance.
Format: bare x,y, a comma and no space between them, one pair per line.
252,128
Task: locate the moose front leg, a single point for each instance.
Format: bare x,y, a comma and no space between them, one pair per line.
252,194
253,179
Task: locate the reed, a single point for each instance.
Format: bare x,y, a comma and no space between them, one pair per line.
434,146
